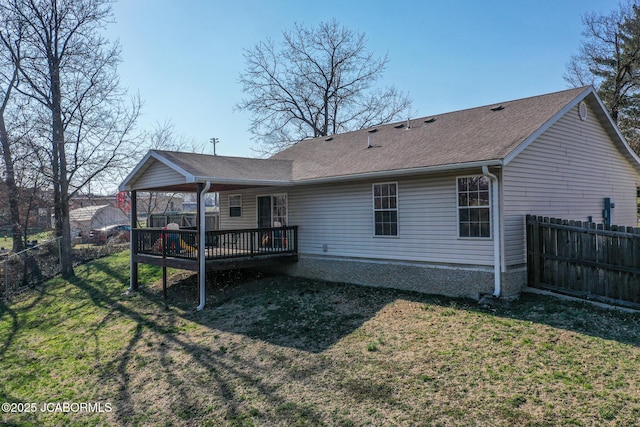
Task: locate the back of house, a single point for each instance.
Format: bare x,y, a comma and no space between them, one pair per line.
438,204
435,204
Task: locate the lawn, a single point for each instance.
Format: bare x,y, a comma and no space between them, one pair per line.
6,240
270,350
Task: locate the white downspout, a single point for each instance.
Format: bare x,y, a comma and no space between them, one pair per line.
497,253
201,246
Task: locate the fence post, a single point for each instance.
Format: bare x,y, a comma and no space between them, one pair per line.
536,250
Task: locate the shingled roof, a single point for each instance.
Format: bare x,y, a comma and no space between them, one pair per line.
482,134
229,168
487,135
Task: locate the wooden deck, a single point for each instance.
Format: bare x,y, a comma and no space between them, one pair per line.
224,250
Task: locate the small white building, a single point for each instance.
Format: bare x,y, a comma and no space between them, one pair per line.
85,219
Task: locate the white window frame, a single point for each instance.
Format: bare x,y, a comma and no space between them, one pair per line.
396,209
488,206
235,206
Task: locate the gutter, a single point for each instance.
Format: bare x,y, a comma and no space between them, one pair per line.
201,245
497,238
399,172
356,176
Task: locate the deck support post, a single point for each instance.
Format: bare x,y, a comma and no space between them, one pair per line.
164,282
201,220
133,242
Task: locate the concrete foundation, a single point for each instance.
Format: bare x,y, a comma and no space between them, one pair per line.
470,282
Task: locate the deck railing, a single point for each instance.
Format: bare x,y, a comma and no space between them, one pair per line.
219,244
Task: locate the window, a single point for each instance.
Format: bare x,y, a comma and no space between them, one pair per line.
474,208
235,206
385,209
279,210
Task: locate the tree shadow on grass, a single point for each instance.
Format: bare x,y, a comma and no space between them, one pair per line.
303,314
155,322
312,315
7,313
290,316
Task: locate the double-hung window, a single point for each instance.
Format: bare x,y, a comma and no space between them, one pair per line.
474,207
385,209
235,205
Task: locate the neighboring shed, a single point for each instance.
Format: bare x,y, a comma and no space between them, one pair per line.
83,220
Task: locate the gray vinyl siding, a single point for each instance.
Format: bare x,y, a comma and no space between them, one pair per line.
158,175
566,173
341,217
249,218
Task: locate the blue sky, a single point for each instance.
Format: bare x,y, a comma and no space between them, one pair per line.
184,57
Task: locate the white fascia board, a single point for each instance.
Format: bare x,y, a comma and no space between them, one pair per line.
242,181
402,172
144,164
520,148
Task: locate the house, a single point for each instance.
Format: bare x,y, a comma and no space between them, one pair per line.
83,220
435,204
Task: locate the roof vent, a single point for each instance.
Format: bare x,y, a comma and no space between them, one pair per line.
399,126
408,125
329,139
369,142
431,120
498,108
582,110
374,130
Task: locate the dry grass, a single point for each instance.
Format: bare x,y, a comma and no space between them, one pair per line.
281,351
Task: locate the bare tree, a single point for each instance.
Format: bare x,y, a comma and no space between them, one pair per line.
69,69
609,59
163,136
320,81
10,36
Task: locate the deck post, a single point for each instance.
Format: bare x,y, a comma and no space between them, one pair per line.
164,282
201,227
133,242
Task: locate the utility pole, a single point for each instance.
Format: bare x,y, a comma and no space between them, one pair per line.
214,141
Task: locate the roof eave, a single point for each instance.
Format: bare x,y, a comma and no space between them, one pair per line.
401,172
615,128
589,90
143,164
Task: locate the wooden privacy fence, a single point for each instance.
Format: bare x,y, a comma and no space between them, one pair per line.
584,259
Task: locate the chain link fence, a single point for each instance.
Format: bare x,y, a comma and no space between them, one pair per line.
41,262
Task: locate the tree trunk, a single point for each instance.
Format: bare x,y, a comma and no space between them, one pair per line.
63,227
12,190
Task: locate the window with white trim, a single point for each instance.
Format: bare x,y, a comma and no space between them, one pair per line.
279,210
235,205
385,209
474,207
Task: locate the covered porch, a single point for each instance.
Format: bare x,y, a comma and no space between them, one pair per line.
196,248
